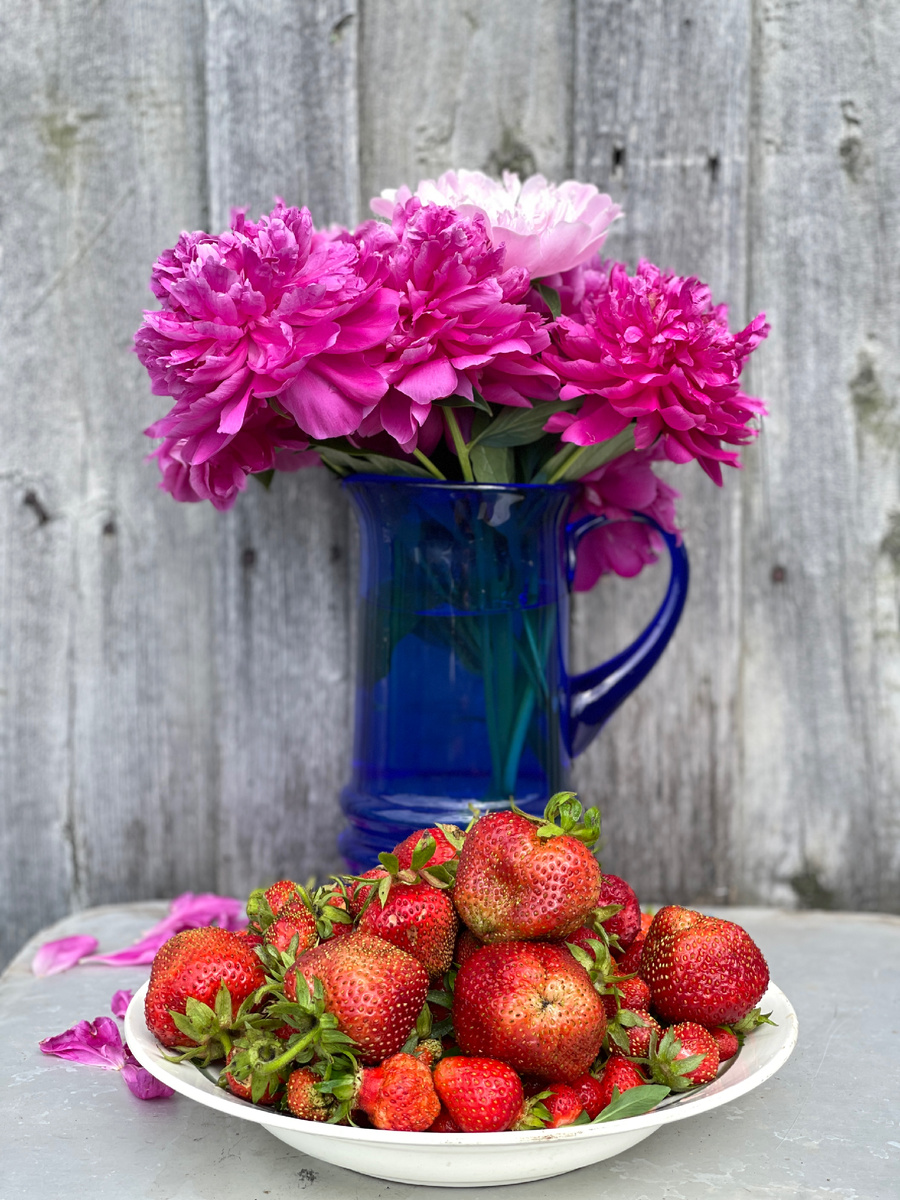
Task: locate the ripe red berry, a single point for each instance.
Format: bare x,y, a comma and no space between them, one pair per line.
482,1095
625,924
701,969
564,1105
399,1094
531,1005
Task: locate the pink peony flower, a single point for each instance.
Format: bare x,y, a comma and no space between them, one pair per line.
625,485
545,228
267,441
458,329
652,348
267,308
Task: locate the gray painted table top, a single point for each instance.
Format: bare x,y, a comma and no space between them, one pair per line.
827,1125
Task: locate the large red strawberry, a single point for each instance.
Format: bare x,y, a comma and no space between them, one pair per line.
399,1094
531,1005
417,917
373,989
481,1095
192,966
701,969
522,877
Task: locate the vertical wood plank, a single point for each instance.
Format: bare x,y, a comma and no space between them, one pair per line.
463,84
819,821
106,750
661,121
282,119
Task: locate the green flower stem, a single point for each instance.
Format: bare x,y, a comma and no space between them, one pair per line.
459,444
564,467
428,464
517,741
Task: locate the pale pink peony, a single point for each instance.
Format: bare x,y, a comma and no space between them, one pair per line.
623,547
269,308
652,348
458,328
545,227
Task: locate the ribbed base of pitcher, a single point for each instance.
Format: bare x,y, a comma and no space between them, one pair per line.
377,823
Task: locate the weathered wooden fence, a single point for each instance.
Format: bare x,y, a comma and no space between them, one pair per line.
175,684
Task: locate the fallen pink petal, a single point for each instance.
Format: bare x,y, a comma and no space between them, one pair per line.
96,1043
62,954
120,1001
141,1083
187,911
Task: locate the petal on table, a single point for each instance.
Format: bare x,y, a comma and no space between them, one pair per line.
57,956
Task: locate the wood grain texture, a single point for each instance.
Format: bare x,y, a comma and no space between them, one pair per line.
662,121
107,745
175,685
819,812
281,105
463,84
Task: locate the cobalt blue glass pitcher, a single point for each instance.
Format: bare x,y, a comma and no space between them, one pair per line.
463,695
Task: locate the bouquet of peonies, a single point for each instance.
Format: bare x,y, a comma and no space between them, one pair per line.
475,334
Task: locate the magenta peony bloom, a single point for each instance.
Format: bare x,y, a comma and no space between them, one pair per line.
652,348
267,441
266,309
458,329
545,228
625,485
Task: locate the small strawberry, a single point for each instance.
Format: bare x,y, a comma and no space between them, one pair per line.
304,1099
631,993
686,1057
630,961
447,839
631,1032
521,877
443,1123
198,981
727,1041
626,923
590,1093
466,945
481,1095
263,1091
374,990
294,920
563,1103
701,969
399,1094
617,1073
531,1005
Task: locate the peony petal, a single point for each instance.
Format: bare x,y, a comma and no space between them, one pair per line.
96,1044
141,1083
186,911
62,954
120,1001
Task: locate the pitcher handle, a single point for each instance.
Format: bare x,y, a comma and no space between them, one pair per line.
594,695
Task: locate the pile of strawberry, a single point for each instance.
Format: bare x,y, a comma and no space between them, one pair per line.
475,982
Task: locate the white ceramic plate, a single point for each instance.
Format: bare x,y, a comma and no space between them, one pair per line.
472,1159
